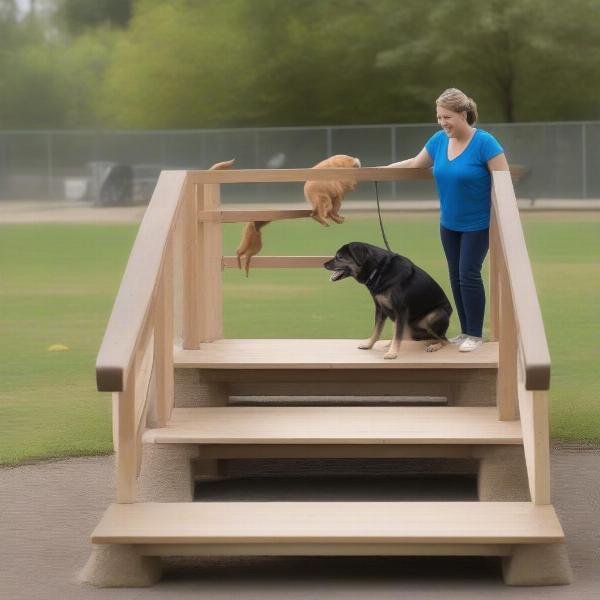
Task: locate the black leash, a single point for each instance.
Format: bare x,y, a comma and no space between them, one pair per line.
380,221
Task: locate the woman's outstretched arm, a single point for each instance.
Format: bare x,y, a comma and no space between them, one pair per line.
420,161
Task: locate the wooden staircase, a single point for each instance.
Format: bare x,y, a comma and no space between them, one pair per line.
174,423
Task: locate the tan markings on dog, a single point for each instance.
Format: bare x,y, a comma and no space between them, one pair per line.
374,336
384,299
326,197
394,344
425,323
435,347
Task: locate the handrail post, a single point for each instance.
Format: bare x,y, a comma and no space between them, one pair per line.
495,251
210,270
163,339
191,257
127,459
507,358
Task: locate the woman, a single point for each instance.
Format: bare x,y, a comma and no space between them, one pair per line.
463,158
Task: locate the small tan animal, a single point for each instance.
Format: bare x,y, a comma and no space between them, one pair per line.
326,196
250,244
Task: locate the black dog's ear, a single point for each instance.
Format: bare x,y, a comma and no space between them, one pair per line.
359,252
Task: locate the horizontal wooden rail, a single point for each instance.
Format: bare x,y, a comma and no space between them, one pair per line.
279,262
132,305
288,175
243,216
527,311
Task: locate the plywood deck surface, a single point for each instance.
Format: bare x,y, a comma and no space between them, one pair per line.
329,354
337,425
329,522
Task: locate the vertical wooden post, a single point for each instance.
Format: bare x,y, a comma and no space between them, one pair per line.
536,442
127,447
191,257
163,339
507,360
541,435
210,275
495,251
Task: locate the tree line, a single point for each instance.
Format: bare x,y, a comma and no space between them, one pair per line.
157,64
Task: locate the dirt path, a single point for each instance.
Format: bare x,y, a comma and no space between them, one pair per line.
48,510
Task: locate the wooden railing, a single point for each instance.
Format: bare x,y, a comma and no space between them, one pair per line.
516,320
135,361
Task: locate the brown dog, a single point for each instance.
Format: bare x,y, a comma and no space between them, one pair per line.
326,196
250,244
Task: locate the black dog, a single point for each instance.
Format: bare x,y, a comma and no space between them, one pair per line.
401,291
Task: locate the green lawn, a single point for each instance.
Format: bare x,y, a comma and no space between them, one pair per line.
58,282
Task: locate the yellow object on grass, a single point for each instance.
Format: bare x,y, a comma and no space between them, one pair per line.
57,348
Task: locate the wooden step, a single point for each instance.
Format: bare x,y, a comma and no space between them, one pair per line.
329,354
379,425
333,524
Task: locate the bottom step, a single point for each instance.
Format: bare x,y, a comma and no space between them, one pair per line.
131,538
327,525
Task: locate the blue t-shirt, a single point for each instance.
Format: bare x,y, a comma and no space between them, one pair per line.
464,183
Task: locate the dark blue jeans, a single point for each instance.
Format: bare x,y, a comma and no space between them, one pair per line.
465,252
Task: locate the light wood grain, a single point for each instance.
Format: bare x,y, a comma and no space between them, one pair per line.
336,425
191,317
280,262
132,305
533,407
272,175
325,549
127,459
494,282
508,350
329,354
243,216
163,340
328,522
527,310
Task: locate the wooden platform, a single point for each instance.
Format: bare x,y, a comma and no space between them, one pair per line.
328,523
329,354
336,425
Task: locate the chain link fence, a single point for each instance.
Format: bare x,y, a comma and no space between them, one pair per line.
109,167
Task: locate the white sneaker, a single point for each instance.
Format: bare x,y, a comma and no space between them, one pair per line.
471,343
458,339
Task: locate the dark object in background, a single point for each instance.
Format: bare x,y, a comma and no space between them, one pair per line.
116,186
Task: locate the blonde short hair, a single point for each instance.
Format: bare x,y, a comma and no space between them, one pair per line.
458,101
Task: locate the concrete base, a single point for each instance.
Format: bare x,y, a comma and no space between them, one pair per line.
538,564
120,566
167,473
502,475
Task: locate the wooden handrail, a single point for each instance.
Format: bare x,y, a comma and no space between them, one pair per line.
527,312
243,216
279,262
134,299
290,175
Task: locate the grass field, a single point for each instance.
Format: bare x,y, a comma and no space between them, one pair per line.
58,283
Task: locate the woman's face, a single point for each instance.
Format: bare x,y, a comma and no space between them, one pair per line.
451,122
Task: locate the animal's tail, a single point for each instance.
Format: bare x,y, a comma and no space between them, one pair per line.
222,165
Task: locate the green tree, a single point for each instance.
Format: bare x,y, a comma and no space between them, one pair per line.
505,52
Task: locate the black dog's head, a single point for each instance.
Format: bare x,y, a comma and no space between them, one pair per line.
355,259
